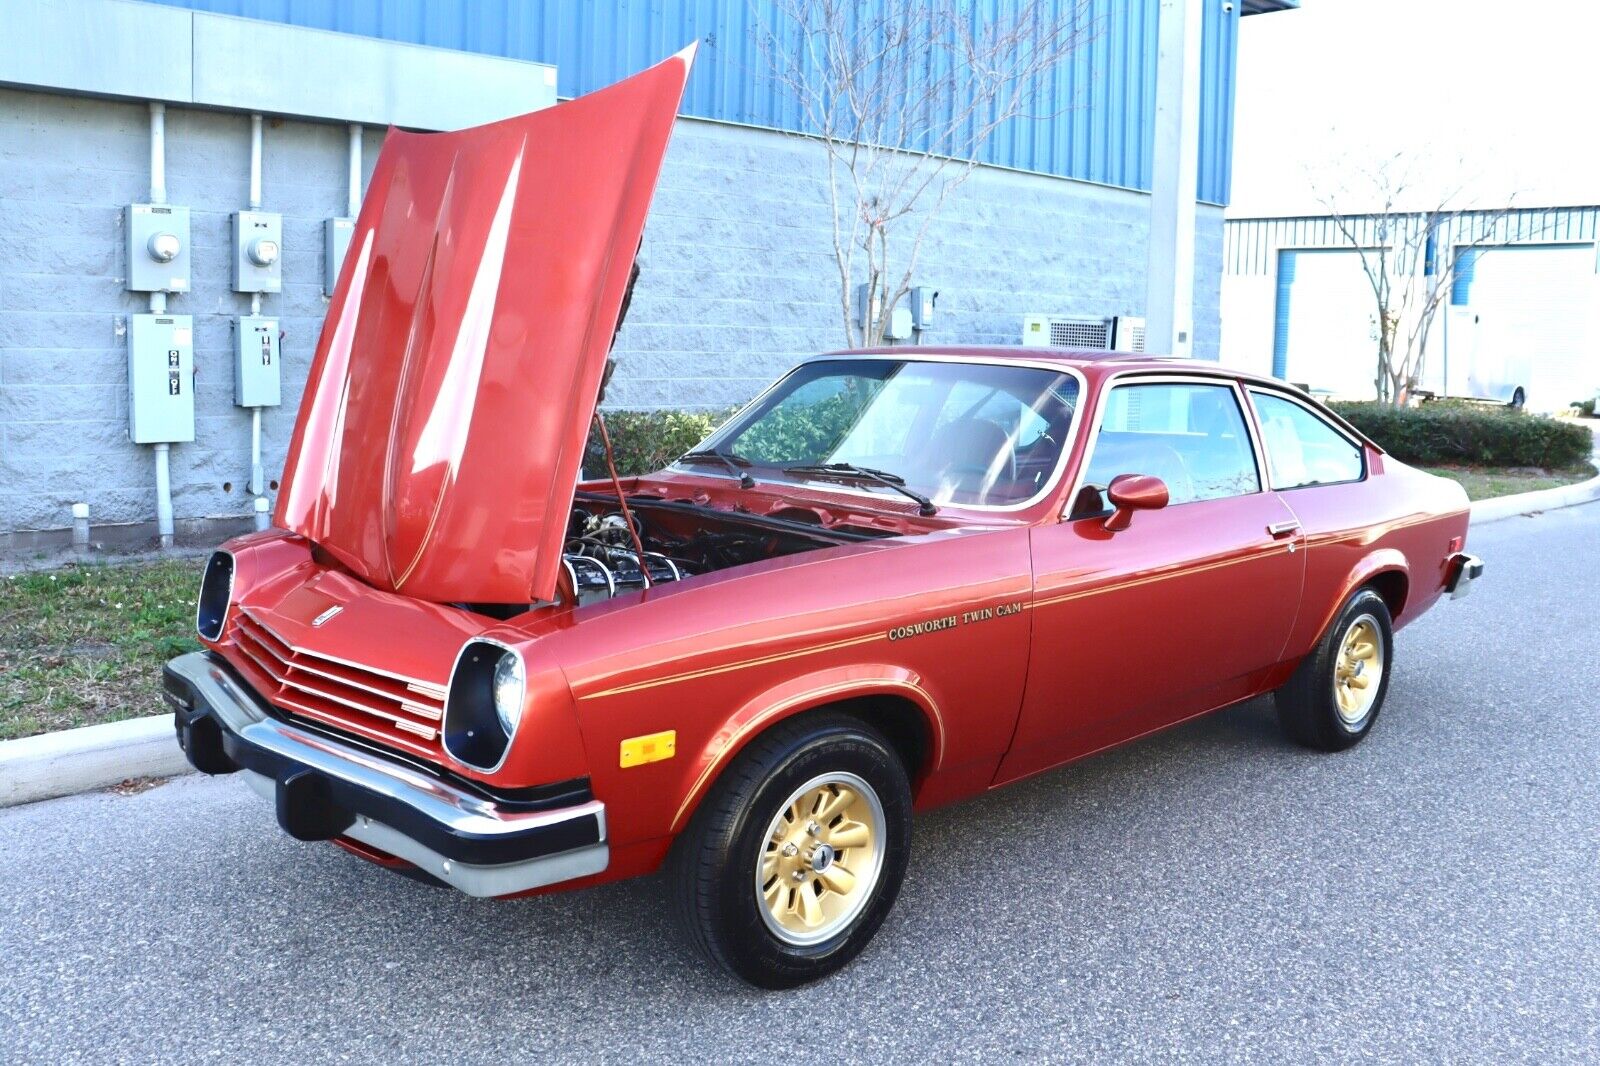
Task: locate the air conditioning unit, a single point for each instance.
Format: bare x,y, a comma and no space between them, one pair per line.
1127,334
1066,331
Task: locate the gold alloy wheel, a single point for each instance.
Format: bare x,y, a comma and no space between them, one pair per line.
1359,669
821,858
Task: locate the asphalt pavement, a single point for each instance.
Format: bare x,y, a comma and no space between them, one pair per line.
1211,894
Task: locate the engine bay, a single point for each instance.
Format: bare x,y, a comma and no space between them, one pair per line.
679,540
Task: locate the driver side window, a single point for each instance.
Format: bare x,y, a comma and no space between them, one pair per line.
1191,436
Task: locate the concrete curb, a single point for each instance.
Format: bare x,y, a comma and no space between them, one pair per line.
78,760
1527,503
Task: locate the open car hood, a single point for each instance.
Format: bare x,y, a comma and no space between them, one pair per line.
443,425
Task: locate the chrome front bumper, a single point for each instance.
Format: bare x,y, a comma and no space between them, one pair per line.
324,789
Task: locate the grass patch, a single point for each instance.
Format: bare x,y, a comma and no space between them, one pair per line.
1487,482
84,644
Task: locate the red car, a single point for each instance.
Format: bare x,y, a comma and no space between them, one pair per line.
898,578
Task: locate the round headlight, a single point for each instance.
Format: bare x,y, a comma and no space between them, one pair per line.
509,685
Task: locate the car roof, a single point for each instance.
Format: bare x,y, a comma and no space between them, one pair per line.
1096,365
1092,362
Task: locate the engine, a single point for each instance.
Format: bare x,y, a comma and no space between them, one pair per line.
601,560
679,541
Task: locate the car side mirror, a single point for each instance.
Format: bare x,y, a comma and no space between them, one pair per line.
1133,492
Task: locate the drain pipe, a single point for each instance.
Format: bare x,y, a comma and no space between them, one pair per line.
158,306
257,479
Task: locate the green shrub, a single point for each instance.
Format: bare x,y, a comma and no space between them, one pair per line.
1585,407
1470,433
643,441
800,433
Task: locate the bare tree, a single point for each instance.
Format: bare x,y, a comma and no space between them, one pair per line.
903,95
1410,255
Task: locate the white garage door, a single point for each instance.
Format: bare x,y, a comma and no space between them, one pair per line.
1330,328
1533,310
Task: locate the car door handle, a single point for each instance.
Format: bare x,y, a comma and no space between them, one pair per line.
1283,529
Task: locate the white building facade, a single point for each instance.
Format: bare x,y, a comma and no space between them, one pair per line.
1520,320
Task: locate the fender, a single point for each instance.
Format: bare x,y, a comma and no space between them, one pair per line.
805,693
1382,561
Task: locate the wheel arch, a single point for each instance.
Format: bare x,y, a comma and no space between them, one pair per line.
1394,585
1386,571
891,699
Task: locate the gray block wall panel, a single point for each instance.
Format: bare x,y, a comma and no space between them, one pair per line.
83,47
738,284
241,63
122,48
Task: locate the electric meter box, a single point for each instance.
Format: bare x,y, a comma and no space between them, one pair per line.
336,234
257,251
160,379
158,247
256,377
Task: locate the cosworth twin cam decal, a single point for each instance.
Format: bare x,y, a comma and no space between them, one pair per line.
951,621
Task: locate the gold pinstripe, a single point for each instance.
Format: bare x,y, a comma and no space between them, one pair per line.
730,667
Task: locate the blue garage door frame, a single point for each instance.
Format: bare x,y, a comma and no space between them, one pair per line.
1280,316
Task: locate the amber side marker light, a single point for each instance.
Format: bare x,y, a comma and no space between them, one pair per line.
653,747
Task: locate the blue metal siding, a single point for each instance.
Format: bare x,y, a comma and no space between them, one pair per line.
1097,109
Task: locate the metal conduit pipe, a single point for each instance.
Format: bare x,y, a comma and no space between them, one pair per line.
255,162
158,153
163,493
158,306
353,196
80,527
257,479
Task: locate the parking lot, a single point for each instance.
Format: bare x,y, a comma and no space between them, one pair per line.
1210,894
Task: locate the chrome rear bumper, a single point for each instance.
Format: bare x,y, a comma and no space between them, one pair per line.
324,789
1463,570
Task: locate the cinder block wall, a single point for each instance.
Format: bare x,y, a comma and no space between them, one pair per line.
738,283
738,278
68,165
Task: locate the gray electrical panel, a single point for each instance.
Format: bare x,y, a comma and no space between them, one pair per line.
257,251
923,300
256,377
335,239
898,328
160,379
158,247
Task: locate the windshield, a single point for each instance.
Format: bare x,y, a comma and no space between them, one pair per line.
959,433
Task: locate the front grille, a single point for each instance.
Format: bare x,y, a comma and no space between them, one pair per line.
402,712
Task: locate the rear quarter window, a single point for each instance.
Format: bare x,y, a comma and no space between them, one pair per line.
1303,448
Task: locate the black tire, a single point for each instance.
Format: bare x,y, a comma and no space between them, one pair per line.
713,868
1309,706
